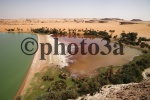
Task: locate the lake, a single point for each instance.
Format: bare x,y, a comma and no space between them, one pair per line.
13,63
87,64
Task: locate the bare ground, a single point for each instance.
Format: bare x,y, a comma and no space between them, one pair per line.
131,91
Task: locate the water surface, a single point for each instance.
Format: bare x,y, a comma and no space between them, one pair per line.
13,63
87,64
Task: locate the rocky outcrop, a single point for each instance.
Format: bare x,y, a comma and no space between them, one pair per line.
131,91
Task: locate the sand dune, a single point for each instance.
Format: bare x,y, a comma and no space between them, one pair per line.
142,27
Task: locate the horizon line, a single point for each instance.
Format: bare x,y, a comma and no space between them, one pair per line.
73,18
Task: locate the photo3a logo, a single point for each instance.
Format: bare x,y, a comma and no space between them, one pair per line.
29,46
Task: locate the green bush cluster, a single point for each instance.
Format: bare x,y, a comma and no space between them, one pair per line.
45,30
131,38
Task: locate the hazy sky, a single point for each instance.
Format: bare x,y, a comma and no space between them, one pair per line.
126,9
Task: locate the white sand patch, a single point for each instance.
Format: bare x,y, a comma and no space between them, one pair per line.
60,60
145,73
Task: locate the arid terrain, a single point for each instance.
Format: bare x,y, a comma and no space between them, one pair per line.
25,25
132,90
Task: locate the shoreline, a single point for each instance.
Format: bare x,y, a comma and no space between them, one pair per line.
60,60
21,87
24,81
37,65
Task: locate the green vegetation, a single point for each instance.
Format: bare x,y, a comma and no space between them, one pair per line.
45,30
102,34
13,29
57,84
131,39
10,30
49,84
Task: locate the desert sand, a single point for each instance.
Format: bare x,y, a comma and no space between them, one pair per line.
142,28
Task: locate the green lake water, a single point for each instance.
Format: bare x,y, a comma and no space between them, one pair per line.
13,63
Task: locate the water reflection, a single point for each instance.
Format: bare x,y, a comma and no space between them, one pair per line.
87,64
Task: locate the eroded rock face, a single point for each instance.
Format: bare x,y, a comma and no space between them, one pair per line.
131,91
146,74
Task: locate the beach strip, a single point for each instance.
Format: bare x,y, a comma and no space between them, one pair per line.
37,65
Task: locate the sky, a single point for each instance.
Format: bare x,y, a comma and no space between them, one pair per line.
125,9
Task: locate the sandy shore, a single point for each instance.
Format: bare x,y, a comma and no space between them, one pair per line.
38,65
58,60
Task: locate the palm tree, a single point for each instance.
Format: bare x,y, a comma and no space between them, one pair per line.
111,31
